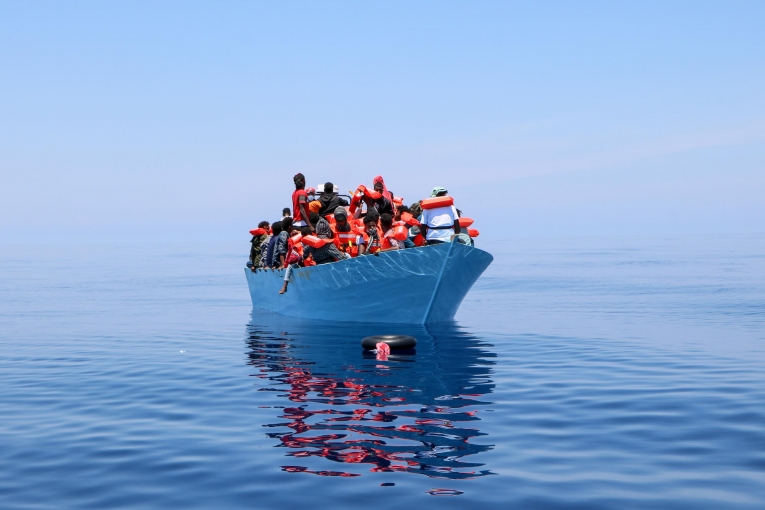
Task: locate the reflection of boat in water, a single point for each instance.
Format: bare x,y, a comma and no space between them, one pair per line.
415,286
414,413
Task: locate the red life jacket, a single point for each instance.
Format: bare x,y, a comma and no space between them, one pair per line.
345,240
400,231
385,243
433,203
258,231
409,220
473,232
315,242
465,222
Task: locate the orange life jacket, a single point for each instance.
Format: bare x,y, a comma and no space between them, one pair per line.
371,193
345,240
400,231
419,240
432,203
385,243
315,242
409,220
473,232
372,247
465,222
258,231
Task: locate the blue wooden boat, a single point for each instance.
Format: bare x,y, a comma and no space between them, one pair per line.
414,286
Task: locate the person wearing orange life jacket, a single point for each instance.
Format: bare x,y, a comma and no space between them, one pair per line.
389,241
438,224
369,240
345,238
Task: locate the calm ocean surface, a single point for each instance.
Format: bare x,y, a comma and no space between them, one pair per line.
580,373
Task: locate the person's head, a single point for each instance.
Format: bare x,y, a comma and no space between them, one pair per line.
299,181
369,222
438,191
276,228
314,206
386,221
305,231
287,224
286,212
314,218
329,187
400,210
415,209
264,224
373,213
341,216
379,184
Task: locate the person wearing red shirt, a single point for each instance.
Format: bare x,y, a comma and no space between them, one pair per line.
300,214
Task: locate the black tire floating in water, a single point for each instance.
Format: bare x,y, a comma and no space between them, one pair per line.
394,341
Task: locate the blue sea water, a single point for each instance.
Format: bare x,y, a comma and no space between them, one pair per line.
580,373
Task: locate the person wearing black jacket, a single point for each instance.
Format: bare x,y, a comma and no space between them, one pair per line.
329,200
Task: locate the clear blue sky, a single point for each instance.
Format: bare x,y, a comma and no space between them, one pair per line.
187,120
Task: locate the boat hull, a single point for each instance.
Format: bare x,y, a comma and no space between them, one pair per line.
414,286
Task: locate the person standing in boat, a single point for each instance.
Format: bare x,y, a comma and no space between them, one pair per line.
381,205
329,200
438,224
300,213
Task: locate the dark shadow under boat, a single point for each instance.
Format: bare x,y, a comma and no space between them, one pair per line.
417,412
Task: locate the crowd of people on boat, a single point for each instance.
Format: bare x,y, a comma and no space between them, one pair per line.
323,227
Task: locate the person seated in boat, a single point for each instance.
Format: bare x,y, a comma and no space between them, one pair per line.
300,202
282,244
388,241
276,229
346,239
256,246
297,253
369,242
440,223
330,200
409,241
328,252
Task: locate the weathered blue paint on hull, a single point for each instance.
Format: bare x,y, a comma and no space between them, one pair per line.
414,286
